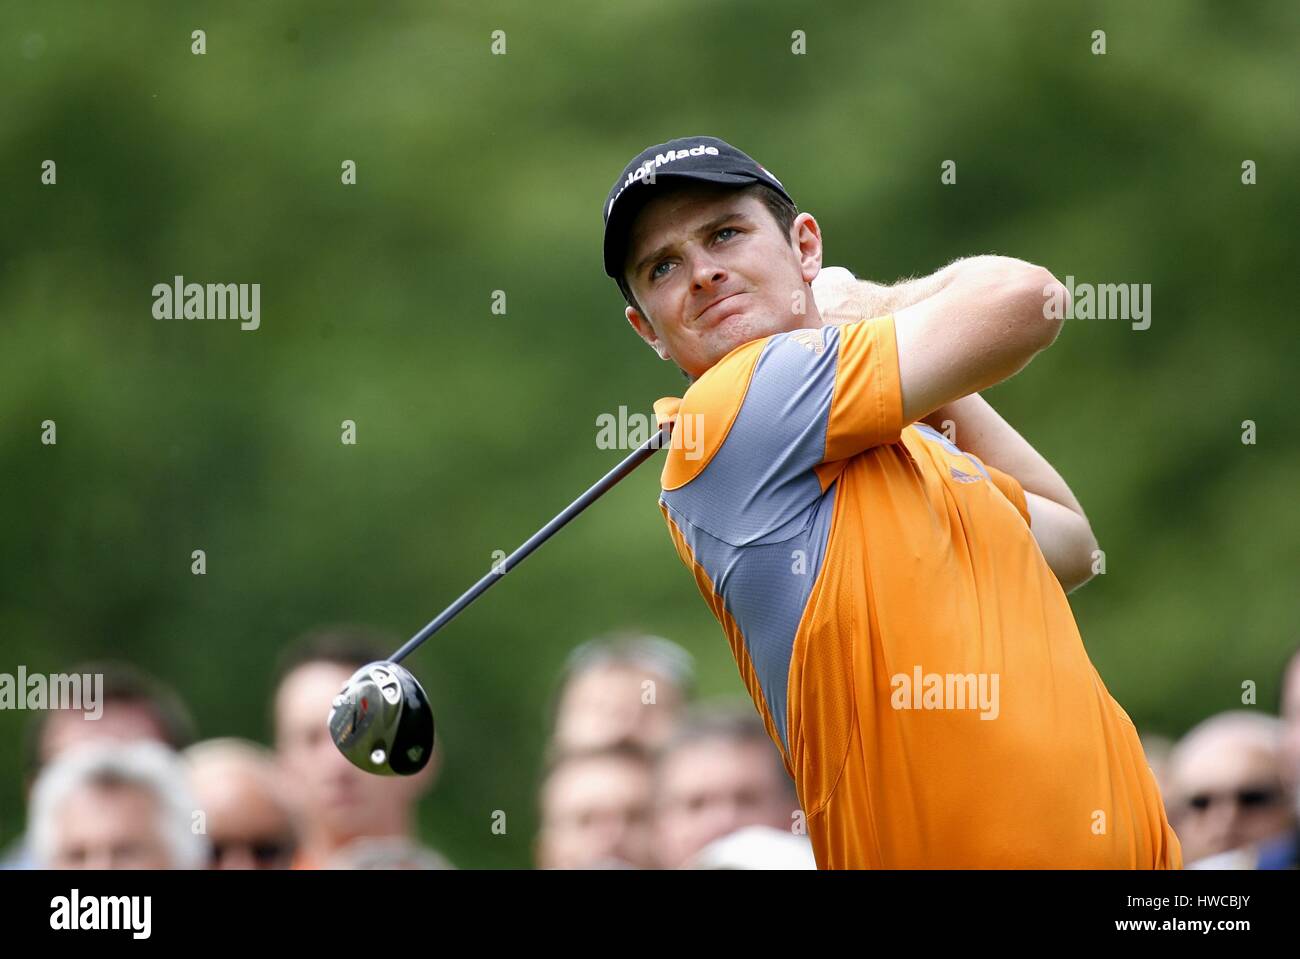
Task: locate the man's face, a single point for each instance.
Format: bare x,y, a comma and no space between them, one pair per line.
596,812
1227,793
109,827
710,789
606,704
339,801
697,245
248,825
122,721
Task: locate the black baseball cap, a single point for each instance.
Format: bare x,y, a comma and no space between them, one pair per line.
686,158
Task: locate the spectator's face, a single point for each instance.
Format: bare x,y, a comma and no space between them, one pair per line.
608,704
338,800
1227,793
710,789
120,721
247,824
109,827
717,243
1291,716
596,813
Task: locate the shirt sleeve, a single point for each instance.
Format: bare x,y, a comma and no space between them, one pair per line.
814,396
867,406
828,393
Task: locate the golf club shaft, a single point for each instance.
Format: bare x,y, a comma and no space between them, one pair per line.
631,462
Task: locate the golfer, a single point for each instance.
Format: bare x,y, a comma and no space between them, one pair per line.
895,601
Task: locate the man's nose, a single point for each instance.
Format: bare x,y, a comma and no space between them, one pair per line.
1235,818
706,272
1221,820
237,856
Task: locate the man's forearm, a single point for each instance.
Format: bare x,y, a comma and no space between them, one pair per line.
978,428
1057,521
982,430
1065,540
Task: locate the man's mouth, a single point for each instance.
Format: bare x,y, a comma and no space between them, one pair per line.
717,309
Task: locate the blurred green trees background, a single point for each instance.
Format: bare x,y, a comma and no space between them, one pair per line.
478,173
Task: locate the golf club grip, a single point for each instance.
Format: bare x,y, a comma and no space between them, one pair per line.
631,462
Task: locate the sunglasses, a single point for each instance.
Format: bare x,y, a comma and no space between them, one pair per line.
1247,798
264,852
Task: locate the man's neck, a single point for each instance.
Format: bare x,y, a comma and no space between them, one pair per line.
811,319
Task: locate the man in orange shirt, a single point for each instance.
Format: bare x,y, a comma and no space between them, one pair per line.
895,602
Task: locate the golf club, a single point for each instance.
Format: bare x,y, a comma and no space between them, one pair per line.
381,720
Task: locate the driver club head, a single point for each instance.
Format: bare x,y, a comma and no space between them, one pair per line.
381,721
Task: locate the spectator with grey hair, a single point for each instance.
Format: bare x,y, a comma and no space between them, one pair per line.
621,688
133,706
115,805
1227,794
717,774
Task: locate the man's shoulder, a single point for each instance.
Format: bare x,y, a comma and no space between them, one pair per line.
707,412
721,378
723,385
712,406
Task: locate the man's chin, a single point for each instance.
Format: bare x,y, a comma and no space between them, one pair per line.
737,329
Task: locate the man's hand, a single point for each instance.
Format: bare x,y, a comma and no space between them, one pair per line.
843,298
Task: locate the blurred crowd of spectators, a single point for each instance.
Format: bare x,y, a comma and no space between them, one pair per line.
636,774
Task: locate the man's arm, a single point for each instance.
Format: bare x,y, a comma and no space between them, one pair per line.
1058,522
844,298
969,326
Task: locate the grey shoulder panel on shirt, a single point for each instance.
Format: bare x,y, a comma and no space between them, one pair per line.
760,485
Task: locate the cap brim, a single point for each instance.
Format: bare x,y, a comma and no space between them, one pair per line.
631,201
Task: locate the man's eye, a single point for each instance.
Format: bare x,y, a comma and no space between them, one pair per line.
654,270
725,229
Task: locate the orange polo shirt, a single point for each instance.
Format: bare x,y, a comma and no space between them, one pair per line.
912,655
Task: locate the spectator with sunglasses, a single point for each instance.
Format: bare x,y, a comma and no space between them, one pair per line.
1284,853
247,814
1228,795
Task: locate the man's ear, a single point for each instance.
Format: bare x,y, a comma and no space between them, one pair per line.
807,238
646,331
